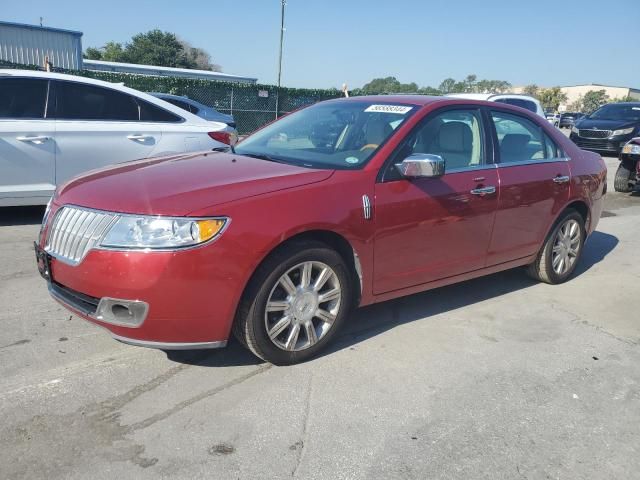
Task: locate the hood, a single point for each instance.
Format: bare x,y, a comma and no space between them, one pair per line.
179,185
587,124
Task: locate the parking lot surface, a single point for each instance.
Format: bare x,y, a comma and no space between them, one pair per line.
495,378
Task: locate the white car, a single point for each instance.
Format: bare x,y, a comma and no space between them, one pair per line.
54,127
523,101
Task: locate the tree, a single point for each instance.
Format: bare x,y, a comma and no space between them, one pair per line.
154,47
200,57
531,90
389,85
551,98
593,100
576,105
447,86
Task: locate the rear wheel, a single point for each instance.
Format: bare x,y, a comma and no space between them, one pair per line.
295,303
561,251
621,182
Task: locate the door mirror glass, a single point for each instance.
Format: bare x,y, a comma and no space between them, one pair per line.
422,165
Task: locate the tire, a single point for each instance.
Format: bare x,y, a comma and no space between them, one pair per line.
545,268
300,304
621,180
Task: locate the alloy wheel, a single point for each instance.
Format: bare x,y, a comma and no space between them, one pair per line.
302,306
566,246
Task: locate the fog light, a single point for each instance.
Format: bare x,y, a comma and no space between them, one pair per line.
126,313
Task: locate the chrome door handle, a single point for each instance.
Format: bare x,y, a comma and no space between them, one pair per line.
484,191
139,138
38,139
561,179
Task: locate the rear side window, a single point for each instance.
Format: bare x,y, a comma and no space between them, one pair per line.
76,101
23,97
153,113
178,103
520,139
519,102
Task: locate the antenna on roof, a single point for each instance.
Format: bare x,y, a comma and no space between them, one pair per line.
41,19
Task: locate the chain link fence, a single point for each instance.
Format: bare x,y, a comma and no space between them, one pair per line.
252,105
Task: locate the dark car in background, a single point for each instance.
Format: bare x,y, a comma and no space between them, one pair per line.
197,108
568,119
609,128
629,169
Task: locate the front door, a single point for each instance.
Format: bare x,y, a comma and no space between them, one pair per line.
432,228
27,142
534,187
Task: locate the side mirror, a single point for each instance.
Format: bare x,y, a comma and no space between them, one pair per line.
421,165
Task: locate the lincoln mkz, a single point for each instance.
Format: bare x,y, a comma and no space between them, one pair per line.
341,204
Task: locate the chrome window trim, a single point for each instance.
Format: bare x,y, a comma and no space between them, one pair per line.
533,162
486,166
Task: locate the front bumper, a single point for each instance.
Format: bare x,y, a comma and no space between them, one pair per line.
185,299
610,145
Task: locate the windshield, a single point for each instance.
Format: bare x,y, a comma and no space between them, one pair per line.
618,111
335,135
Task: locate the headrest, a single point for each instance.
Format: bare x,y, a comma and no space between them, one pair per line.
514,142
455,137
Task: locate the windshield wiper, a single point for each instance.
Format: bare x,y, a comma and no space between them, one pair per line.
262,156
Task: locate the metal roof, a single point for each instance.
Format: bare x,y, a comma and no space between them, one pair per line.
38,27
101,65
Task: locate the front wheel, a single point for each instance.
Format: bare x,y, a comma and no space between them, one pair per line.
621,181
561,251
295,303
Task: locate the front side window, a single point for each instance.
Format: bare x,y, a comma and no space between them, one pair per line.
77,101
22,97
520,139
337,135
455,135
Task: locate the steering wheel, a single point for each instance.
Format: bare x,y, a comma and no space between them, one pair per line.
369,145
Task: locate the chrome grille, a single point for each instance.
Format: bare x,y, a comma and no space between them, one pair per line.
594,133
75,231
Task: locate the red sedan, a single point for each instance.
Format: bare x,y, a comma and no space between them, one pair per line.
344,203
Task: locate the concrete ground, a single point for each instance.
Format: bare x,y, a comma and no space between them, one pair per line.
496,378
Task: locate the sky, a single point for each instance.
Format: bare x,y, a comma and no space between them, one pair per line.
331,42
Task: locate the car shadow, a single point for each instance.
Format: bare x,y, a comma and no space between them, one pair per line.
373,320
11,216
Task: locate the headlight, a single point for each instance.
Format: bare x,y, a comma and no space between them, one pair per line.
631,148
624,131
575,130
161,232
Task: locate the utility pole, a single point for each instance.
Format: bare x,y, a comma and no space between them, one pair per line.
283,4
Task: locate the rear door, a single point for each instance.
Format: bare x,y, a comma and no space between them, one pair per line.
432,228
98,126
534,186
27,143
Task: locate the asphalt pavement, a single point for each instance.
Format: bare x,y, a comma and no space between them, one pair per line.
495,378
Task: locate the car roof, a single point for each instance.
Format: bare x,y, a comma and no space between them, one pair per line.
424,100
418,100
190,117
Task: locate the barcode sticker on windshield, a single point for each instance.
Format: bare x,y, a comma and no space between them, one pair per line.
399,109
